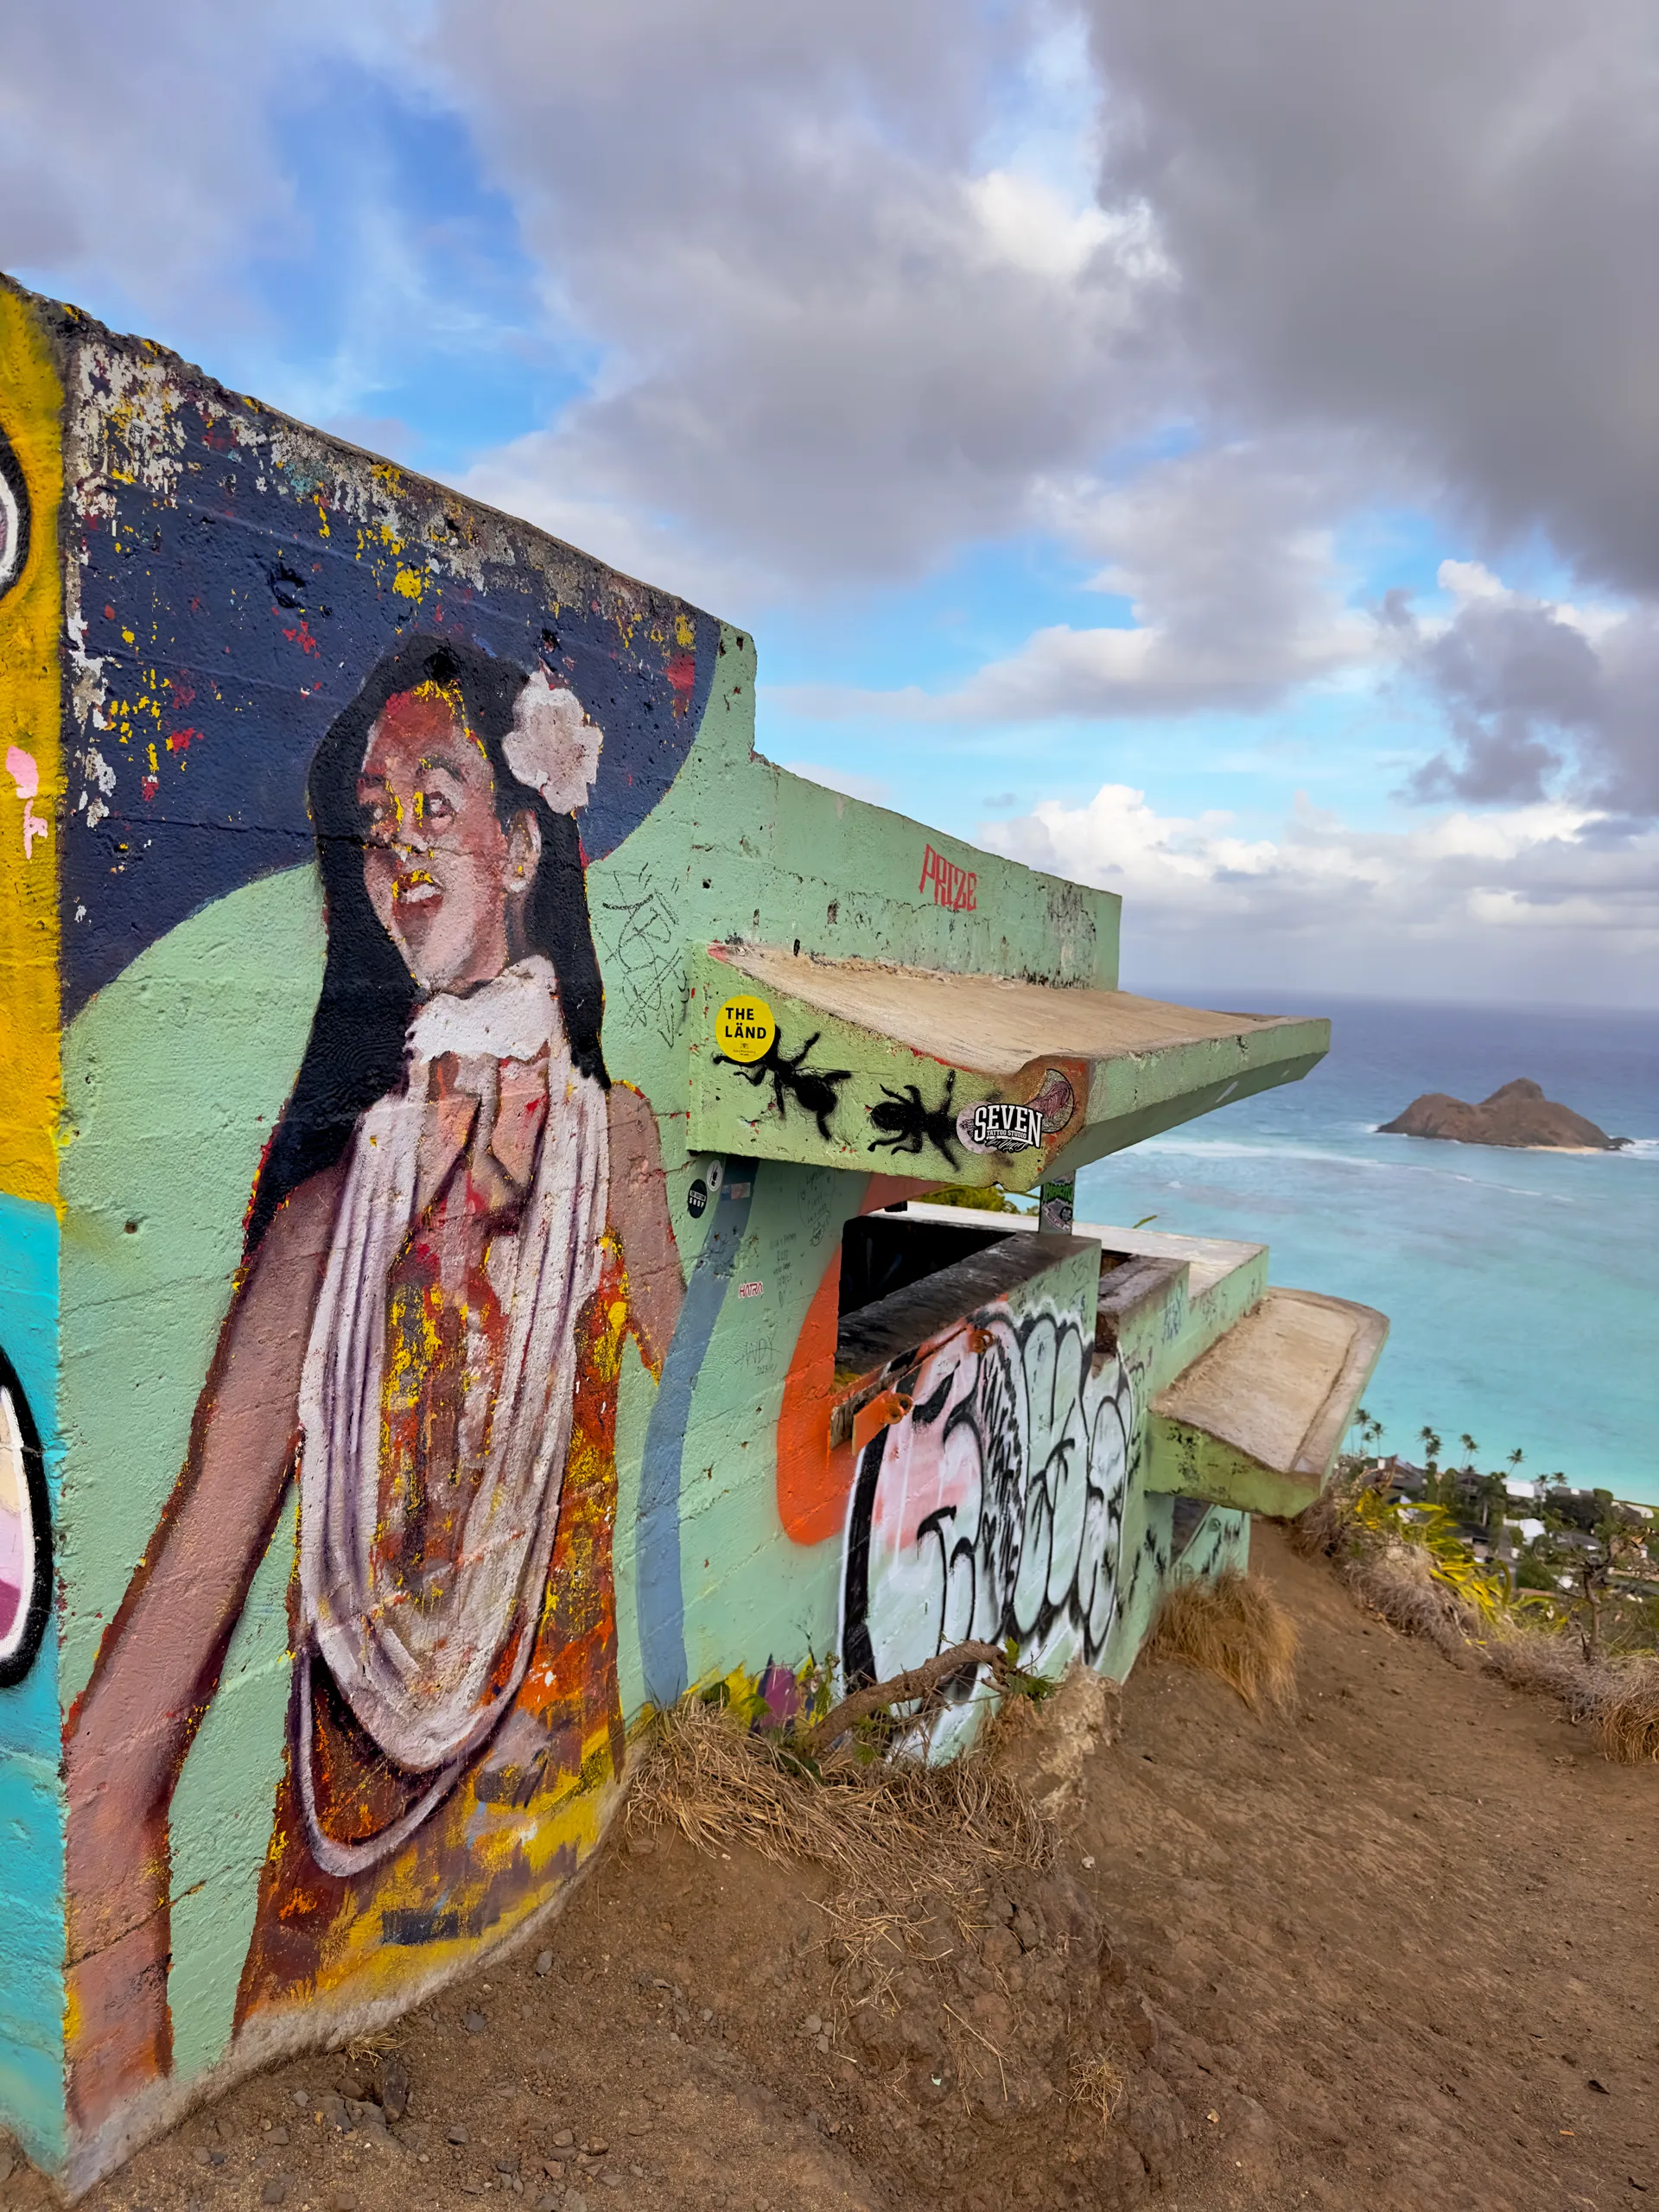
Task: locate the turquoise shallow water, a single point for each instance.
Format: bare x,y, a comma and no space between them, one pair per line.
1523,1287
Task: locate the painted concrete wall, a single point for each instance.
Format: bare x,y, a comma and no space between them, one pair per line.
399,1407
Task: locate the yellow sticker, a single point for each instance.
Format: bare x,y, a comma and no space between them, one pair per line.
744,1029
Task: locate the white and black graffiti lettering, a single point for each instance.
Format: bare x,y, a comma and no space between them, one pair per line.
992,1509
13,517
25,1533
995,1125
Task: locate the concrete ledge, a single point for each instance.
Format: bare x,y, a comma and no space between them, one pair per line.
871,1064
1257,1420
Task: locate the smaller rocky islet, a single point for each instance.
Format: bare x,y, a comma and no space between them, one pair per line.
1517,1115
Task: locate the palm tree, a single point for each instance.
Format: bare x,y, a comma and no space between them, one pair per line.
1430,1445
1371,1429
1470,1449
1517,1456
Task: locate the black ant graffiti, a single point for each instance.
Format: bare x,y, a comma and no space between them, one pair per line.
910,1122
814,1090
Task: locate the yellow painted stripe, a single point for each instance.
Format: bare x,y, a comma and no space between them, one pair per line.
31,1093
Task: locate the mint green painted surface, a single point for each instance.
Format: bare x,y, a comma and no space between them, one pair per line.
740,847
221,1814
176,1074
751,1594
173,1077
1187,1462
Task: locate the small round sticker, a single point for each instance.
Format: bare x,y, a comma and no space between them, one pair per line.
697,1199
744,1029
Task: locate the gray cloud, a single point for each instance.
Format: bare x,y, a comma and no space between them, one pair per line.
135,151
1434,222
1537,699
834,343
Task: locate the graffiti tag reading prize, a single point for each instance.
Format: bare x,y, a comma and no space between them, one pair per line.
744,1029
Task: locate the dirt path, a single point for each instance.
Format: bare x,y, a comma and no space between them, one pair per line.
1400,1952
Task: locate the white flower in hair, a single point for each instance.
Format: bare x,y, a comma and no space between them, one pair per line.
553,745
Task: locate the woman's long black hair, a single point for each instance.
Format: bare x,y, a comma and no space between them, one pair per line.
355,1053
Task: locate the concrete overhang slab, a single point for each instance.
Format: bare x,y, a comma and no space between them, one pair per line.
1257,1420
979,1078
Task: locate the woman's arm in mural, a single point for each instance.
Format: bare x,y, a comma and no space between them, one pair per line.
639,1214
161,1655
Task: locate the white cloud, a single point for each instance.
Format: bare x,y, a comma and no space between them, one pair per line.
871,789
1237,595
1024,222
1525,901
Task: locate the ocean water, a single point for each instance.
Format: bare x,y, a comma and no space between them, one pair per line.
1523,1287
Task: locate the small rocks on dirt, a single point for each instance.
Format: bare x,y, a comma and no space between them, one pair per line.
456,2134
544,1962
474,2022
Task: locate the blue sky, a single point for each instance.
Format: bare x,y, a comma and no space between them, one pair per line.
1175,468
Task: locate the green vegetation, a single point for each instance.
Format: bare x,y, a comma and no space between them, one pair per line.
1588,1635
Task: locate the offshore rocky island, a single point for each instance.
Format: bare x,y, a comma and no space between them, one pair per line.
1518,1114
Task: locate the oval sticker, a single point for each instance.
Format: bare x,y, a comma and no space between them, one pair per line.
744,1029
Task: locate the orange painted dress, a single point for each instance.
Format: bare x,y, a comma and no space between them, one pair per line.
534,1797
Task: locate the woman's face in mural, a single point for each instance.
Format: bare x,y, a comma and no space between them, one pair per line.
447,881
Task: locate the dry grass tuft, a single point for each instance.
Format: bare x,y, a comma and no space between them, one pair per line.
912,1849
1100,2085
377,2043
1552,1663
1627,1715
1397,1580
717,1783
1234,1627
1322,1527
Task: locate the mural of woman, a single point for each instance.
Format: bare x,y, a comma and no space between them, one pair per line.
458,1221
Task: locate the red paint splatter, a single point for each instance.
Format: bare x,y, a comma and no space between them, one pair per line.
178,740
151,785
183,693
302,636
683,671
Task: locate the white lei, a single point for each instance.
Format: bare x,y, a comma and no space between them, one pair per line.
415,1667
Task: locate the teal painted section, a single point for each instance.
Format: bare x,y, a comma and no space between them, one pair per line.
31,1795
